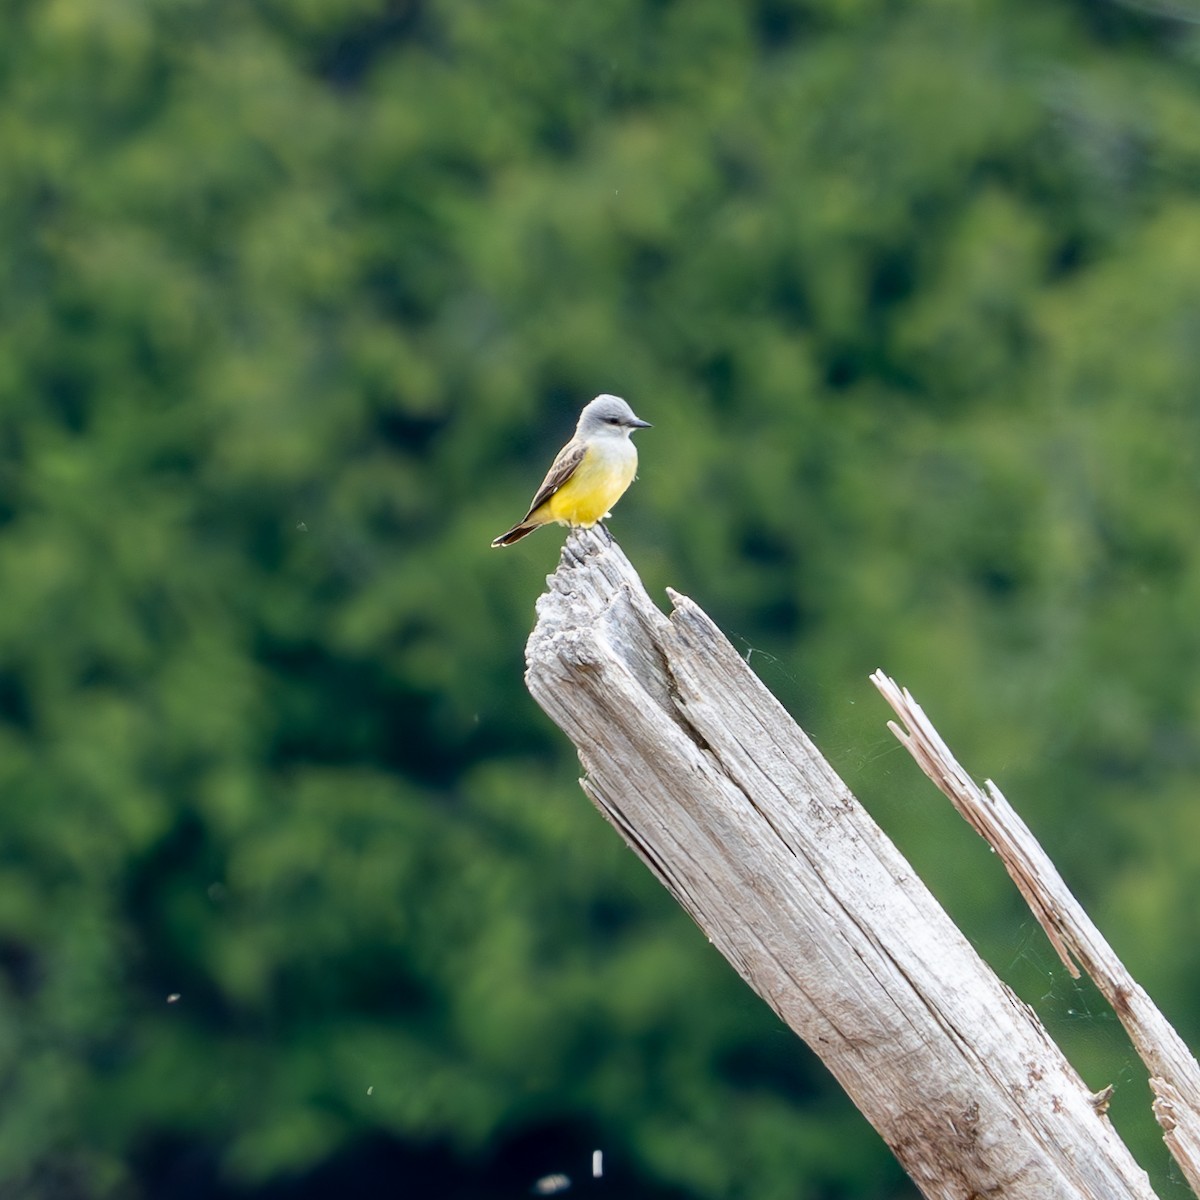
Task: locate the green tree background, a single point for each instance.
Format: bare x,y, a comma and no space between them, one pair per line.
297,891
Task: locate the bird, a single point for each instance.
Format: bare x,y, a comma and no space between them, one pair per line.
589,474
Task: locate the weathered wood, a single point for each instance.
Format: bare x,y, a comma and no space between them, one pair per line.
727,801
1174,1073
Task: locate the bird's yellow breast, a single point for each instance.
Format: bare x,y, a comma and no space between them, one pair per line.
597,484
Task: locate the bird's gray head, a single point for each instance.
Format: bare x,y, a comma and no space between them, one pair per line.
607,416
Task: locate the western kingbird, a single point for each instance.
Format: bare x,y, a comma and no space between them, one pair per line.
590,473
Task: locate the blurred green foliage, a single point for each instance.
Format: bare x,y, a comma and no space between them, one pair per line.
300,298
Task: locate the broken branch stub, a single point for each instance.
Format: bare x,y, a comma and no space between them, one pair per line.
1174,1073
723,796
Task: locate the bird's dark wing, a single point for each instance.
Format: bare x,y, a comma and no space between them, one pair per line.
561,469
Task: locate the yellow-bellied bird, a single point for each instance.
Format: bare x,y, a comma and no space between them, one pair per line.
590,473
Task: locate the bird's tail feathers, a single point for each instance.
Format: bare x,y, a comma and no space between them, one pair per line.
516,533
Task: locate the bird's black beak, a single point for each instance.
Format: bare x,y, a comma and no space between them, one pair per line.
638,423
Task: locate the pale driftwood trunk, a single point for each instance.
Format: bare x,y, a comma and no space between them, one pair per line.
730,805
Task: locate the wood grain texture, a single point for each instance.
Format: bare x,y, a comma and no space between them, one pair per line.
1174,1073
727,801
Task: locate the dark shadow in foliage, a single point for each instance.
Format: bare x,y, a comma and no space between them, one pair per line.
783,1066
175,1169
381,723
15,706
21,971
780,23
185,858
